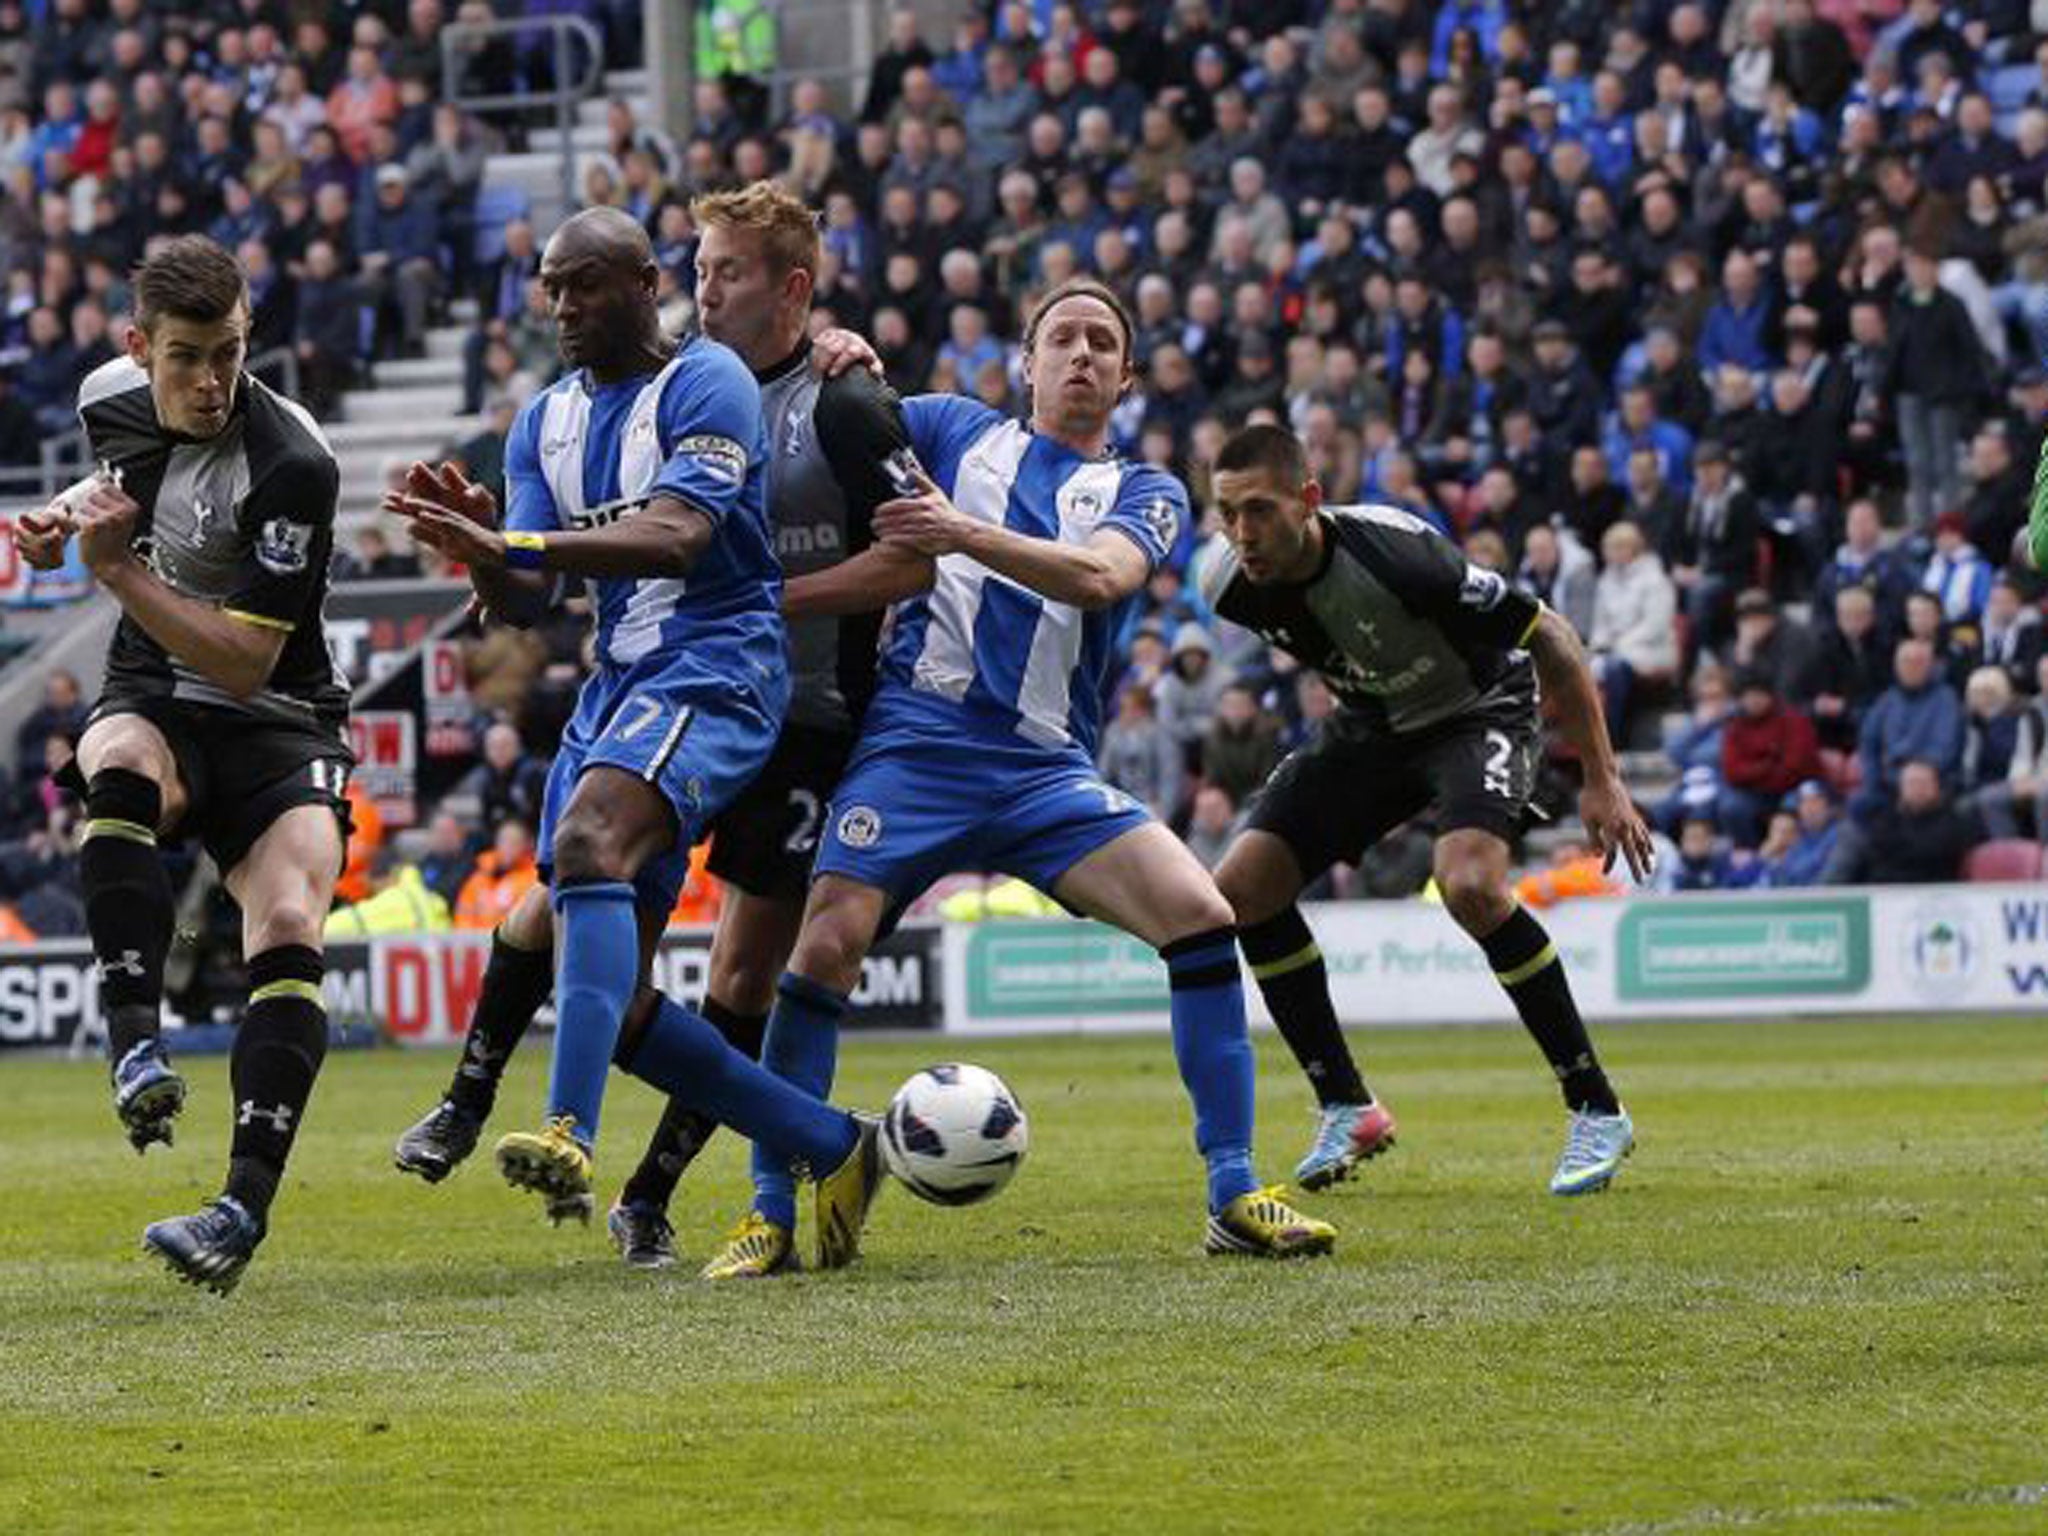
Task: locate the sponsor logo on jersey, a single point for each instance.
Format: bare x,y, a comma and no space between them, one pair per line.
1482,589
722,456
860,826
807,539
283,546
605,513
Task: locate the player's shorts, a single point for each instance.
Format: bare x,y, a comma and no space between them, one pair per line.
241,773
914,808
763,843
1345,789
698,743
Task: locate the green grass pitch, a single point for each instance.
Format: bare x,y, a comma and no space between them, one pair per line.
1815,1302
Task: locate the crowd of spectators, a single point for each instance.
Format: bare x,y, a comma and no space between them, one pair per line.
309,140
1722,325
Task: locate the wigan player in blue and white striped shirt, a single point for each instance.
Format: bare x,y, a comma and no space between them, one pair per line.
977,752
642,472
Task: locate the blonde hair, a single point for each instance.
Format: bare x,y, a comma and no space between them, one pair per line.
1988,691
788,229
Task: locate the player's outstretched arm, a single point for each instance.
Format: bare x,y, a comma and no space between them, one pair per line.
860,427
663,539
518,598
1105,570
40,536
237,653
1604,804
875,578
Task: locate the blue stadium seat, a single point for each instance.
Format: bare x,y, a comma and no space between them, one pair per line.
496,206
2007,86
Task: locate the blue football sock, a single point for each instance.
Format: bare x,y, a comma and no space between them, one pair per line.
597,965
1215,1056
686,1058
801,1047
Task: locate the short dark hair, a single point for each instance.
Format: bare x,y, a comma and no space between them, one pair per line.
1083,287
1267,447
190,277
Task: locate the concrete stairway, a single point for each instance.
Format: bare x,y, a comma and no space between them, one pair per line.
537,172
412,408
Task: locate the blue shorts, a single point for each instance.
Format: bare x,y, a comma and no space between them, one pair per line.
698,742
912,809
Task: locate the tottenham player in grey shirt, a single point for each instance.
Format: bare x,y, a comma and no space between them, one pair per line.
1435,664
210,523
831,440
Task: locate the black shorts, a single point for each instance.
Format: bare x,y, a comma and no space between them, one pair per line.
1344,790
240,773
764,841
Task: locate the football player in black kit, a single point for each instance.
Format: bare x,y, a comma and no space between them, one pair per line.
1435,664
210,522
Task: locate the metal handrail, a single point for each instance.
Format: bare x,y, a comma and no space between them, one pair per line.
564,94
286,361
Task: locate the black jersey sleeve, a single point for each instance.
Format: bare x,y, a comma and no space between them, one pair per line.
1434,580
288,532
119,415
859,422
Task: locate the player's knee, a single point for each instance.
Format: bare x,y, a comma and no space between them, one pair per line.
1475,894
1250,899
586,850
831,949
743,986
1201,909
294,919
530,924
136,754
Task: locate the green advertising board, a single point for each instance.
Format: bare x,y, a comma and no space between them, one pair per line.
1026,970
1679,951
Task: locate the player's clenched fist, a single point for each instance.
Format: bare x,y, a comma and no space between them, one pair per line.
40,536
105,519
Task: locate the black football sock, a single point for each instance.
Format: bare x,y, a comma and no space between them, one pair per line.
516,982
682,1133
1530,971
129,909
1292,978
277,1055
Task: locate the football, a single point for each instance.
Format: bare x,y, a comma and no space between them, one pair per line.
954,1134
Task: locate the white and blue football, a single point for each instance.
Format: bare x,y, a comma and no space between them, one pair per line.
954,1134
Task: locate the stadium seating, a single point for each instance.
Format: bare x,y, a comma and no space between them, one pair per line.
2005,859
